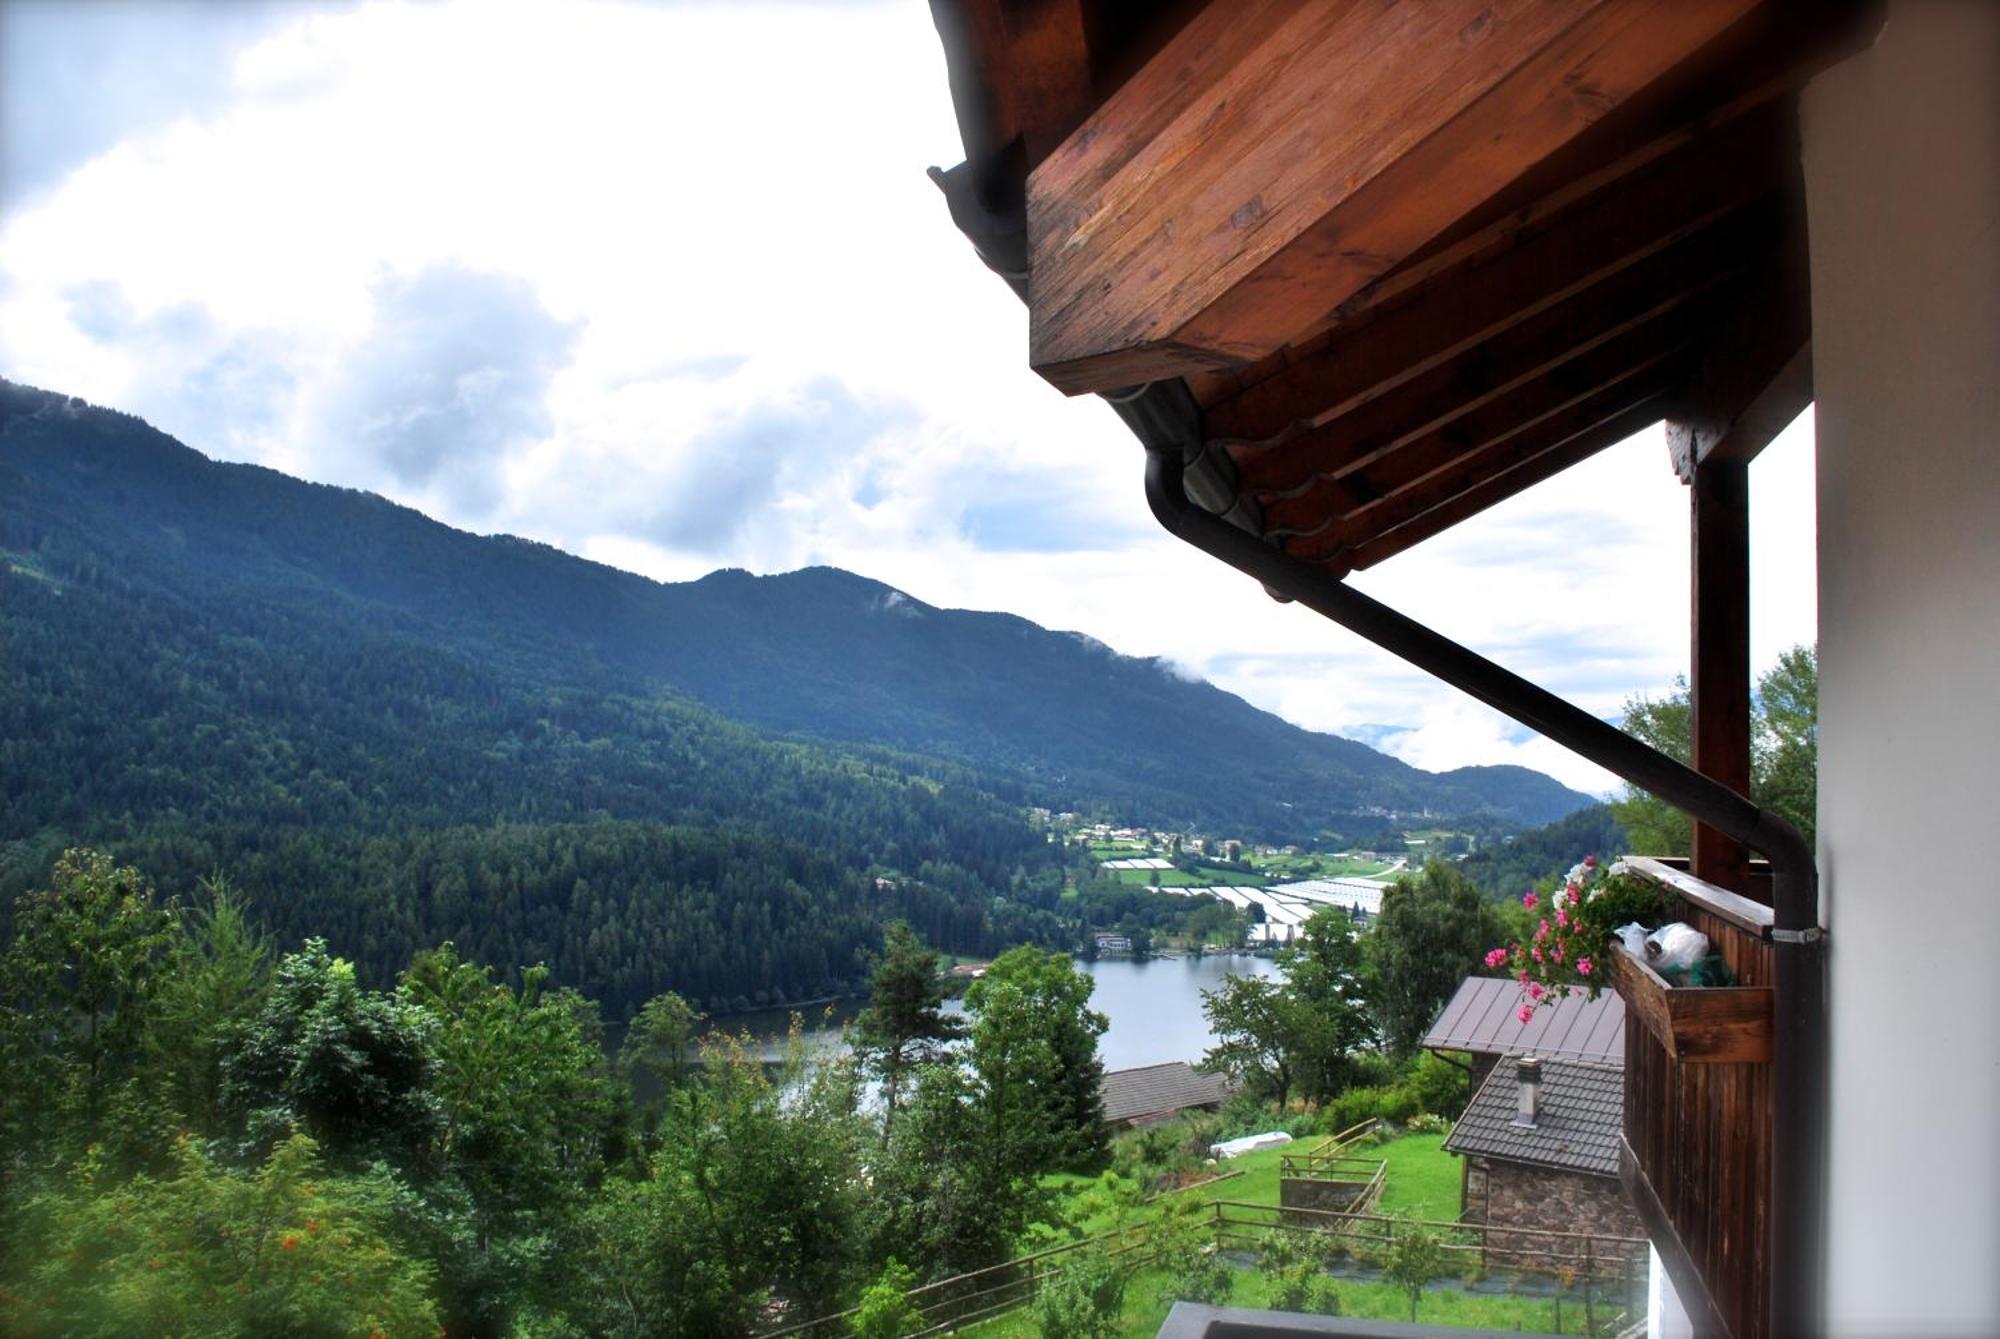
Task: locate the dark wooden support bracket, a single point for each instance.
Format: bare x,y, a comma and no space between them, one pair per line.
1721,654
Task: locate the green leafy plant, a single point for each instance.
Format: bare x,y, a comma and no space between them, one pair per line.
1294,1263
886,1311
1413,1261
1565,952
1084,1300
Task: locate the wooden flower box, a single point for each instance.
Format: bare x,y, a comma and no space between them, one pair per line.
1696,1024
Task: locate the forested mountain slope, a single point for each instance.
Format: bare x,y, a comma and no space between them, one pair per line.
411,732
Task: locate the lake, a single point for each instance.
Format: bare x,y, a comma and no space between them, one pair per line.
1154,1009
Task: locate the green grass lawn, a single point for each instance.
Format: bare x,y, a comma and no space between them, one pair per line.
1421,1180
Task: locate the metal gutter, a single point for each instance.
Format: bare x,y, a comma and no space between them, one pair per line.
1191,490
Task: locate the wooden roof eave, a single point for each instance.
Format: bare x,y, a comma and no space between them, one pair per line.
1512,346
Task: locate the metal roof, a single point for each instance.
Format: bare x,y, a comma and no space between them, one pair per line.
1483,1016
1152,1090
1581,1113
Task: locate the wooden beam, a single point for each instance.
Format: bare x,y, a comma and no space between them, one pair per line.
1757,376
1720,683
1338,514
1669,279
1495,491
1645,212
1018,68
1272,161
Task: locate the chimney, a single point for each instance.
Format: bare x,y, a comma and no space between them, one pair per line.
1529,1071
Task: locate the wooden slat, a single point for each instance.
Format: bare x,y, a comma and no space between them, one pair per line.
1648,211
1536,417
1719,696
1473,501
1690,1287
1340,143
1652,290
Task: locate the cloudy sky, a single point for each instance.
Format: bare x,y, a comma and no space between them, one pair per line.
666,285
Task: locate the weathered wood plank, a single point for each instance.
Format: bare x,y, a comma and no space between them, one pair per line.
1696,1025
1342,140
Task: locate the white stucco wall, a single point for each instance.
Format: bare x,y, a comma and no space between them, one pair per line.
1902,156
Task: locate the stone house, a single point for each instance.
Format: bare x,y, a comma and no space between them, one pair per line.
1540,1147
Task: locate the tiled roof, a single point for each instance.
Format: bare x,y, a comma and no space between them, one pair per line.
1482,1017
1154,1089
1580,1114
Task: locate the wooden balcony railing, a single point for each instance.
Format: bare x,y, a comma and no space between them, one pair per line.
1698,1128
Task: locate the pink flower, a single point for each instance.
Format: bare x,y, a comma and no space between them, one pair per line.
1562,918
1541,932
1530,898
1538,953
1495,957
1522,976
1536,991
1527,1014
1591,861
1583,966
1575,896
1557,952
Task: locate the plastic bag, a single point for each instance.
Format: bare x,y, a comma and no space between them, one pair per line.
1633,937
1675,947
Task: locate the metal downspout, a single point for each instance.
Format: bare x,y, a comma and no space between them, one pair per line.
1799,988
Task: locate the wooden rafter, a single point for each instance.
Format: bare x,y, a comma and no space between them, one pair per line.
1757,374
1683,192
1525,475
1529,350
1217,207
1336,514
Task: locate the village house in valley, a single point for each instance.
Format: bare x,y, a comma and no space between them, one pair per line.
1540,1147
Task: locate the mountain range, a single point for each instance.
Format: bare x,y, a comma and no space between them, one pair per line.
215,658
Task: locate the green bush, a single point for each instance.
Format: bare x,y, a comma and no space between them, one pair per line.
1084,1301
886,1311
1294,1263
1184,1248
287,1248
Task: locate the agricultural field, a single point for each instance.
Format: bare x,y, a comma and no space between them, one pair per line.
1291,868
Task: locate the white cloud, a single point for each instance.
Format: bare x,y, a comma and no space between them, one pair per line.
743,332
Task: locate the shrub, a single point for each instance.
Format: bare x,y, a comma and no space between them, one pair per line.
1084,1301
287,1248
1295,1265
1414,1260
1184,1248
886,1311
